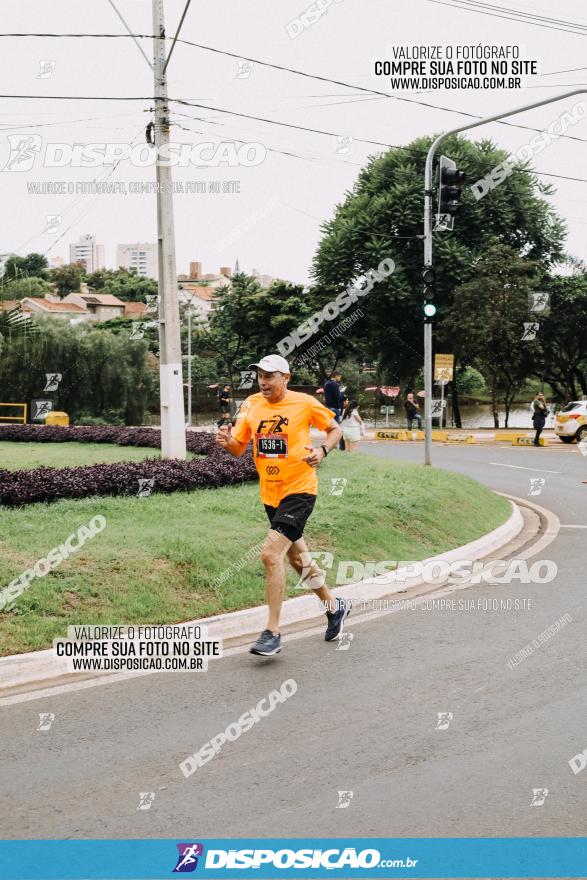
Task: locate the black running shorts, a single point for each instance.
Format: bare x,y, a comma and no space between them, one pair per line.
291,515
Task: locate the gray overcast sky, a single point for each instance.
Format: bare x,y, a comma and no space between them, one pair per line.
273,224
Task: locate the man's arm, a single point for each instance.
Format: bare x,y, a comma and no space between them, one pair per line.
333,435
230,444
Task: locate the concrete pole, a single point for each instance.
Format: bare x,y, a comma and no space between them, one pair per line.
173,442
190,363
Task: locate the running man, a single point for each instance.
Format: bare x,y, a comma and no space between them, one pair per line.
278,421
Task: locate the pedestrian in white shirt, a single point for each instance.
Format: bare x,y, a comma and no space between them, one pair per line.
352,425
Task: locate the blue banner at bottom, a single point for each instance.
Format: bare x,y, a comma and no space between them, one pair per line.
283,858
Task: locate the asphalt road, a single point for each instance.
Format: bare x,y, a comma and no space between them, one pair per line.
362,720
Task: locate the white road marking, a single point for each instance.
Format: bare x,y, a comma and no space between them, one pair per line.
519,467
567,526
54,691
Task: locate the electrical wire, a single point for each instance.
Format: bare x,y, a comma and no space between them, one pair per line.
416,153
99,178
269,149
185,11
6,126
470,6
292,70
332,134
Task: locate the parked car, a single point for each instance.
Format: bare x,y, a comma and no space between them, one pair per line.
571,422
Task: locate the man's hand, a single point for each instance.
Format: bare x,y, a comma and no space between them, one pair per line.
314,457
223,436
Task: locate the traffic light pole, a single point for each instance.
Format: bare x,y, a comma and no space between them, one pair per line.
428,244
173,440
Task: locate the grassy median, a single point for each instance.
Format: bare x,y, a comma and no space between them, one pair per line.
17,456
158,556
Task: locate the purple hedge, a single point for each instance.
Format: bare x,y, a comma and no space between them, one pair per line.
122,478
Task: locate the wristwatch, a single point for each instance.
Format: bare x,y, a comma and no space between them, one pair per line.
324,450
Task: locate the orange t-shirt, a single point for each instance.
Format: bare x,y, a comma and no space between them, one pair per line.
280,431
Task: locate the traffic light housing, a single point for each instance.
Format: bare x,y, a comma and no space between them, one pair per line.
429,281
450,181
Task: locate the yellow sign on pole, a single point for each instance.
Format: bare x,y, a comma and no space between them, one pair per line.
444,367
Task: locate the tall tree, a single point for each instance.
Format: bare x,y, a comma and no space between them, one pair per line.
126,284
100,370
382,217
486,323
36,265
24,286
67,279
23,267
248,322
561,358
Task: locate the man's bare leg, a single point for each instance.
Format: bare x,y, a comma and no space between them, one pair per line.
273,558
299,558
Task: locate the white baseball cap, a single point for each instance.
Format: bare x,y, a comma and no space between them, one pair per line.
272,363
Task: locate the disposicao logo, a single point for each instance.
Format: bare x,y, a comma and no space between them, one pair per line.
187,859
329,859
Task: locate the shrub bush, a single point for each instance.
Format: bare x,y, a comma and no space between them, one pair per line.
121,478
90,420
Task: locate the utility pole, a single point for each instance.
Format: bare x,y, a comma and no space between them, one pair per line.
189,419
173,440
428,245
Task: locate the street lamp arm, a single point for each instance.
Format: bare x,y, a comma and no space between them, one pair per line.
442,137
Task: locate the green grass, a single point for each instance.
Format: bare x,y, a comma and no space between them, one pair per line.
155,560
18,456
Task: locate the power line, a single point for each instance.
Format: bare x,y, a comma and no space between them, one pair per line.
359,88
230,54
289,155
276,122
470,6
416,153
317,77
548,174
570,70
92,36
187,6
261,118
235,55
558,86
520,12
99,178
6,126
292,125
80,97
135,40
257,119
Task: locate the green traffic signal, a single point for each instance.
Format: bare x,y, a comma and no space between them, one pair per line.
429,309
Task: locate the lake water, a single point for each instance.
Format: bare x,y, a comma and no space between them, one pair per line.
477,416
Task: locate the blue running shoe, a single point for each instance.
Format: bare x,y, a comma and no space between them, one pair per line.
267,644
336,619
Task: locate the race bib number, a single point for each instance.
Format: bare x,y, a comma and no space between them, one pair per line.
271,445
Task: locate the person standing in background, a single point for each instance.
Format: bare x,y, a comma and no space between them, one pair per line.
352,426
413,412
333,396
539,412
224,403
334,399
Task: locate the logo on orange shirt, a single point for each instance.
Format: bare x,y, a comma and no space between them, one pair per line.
272,425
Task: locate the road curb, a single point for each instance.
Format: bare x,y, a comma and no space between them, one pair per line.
547,534
42,669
